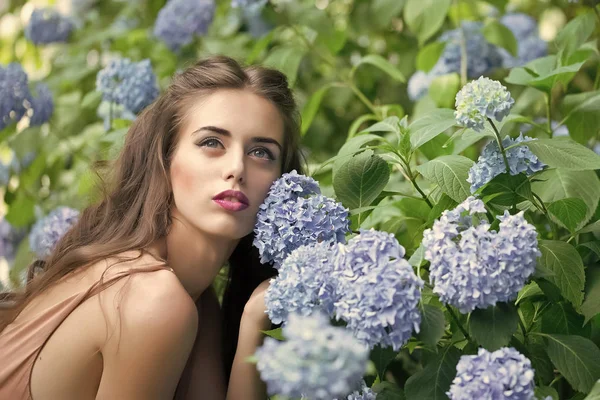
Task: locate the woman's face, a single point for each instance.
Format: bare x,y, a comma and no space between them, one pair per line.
229,140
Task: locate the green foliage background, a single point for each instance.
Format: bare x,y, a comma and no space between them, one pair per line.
395,163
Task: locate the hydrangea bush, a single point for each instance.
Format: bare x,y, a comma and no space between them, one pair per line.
447,217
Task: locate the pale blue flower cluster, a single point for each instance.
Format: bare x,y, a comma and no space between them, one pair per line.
47,231
482,99
530,45
503,374
16,98
377,291
364,393
287,219
482,58
47,25
303,284
14,94
42,105
9,239
179,21
317,361
474,267
132,84
491,163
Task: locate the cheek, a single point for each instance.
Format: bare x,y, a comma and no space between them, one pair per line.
181,178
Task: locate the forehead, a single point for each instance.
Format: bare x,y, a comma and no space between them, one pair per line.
239,111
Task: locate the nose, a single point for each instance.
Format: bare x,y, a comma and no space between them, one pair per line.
235,168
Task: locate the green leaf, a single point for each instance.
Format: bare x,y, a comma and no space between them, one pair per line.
530,290
582,115
562,259
383,64
564,153
557,184
595,392
383,11
431,125
287,60
360,180
443,89
569,212
21,211
594,227
444,203
429,55
576,358
498,34
543,73
542,392
433,324
387,390
450,174
433,381
350,148
417,258
382,357
312,106
390,124
425,17
91,100
259,46
591,305
507,189
593,246
275,334
575,33
493,327
563,319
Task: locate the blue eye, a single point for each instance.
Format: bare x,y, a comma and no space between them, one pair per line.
210,140
265,151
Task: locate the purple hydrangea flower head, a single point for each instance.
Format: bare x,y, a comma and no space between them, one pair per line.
47,25
14,94
132,84
491,163
179,21
317,361
364,393
474,267
9,239
481,99
47,231
287,219
377,290
503,374
42,105
303,284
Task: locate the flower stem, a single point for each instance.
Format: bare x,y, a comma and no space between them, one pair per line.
363,98
500,145
463,49
413,180
455,318
549,113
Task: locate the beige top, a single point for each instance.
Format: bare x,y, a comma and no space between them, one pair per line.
21,342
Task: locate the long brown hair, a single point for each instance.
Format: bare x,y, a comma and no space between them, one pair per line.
134,209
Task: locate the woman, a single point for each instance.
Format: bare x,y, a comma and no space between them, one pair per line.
124,308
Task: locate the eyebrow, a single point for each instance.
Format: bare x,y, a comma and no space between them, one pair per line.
225,132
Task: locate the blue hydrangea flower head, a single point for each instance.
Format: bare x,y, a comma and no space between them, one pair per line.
179,21
377,290
364,393
14,94
303,284
491,163
131,84
503,374
47,231
287,219
473,266
47,25
317,361
9,240
42,105
520,24
481,99
530,45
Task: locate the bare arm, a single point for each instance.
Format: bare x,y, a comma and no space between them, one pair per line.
145,354
244,381
203,377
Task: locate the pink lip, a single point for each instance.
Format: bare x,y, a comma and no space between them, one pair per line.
231,205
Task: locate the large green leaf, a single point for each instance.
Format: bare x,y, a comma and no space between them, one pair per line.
286,59
312,106
382,357
542,392
543,73
576,358
564,153
498,34
450,174
563,319
383,64
383,11
507,190
591,304
431,125
493,327
434,380
387,390
425,17
443,89
433,324
429,55
575,33
564,260
361,179
582,118
350,148
595,392
568,212
557,184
